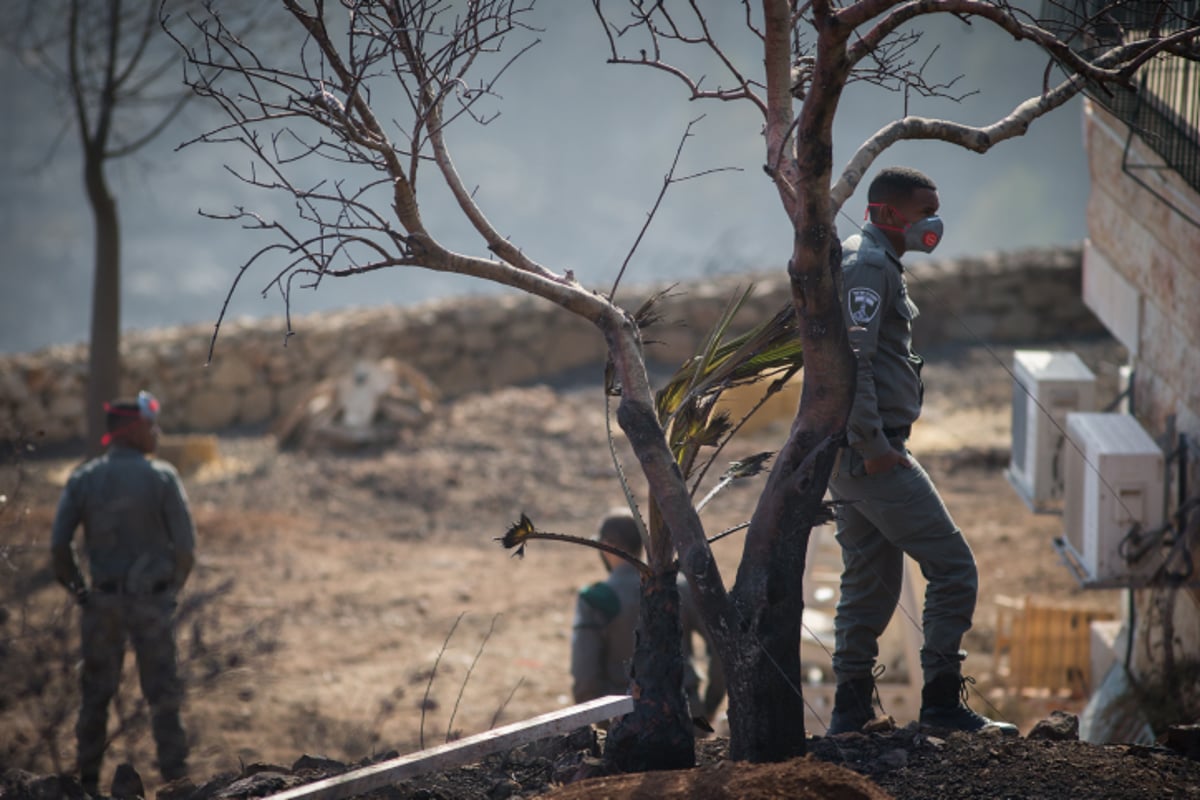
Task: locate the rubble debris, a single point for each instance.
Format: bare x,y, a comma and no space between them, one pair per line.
370,405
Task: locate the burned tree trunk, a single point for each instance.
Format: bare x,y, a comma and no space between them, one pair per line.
658,733
766,702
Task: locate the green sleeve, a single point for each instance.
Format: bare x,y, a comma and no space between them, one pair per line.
602,599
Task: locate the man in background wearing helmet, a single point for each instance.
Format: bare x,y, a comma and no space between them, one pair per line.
891,507
139,542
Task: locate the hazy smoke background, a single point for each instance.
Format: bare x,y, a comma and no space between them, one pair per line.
568,171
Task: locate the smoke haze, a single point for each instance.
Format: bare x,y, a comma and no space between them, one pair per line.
568,171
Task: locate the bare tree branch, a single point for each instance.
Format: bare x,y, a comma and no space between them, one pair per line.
980,139
668,180
658,24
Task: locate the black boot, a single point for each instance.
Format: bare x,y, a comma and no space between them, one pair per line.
852,707
943,706
127,783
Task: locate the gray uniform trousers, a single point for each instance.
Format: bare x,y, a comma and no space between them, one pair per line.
147,622
893,514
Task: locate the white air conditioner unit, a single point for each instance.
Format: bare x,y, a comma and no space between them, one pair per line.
1047,385
1114,486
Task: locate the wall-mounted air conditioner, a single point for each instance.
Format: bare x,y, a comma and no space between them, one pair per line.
1047,385
1114,499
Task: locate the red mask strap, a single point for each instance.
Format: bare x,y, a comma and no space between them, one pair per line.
134,414
880,225
121,412
107,438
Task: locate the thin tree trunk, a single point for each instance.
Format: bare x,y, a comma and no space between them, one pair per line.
766,700
658,733
104,366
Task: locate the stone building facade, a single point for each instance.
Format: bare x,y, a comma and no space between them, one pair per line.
1142,279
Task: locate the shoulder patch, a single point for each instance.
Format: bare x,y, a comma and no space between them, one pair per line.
601,597
862,304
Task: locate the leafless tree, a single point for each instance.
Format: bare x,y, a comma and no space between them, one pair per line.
373,87
119,76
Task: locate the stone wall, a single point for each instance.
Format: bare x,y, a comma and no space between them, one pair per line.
481,343
1143,252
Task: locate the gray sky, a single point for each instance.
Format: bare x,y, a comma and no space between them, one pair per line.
568,171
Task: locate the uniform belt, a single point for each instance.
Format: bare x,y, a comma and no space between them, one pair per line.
898,433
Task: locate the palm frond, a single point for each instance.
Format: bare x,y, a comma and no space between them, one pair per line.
770,347
747,467
684,404
672,397
648,315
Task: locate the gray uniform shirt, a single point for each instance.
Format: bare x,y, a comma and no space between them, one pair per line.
880,314
137,528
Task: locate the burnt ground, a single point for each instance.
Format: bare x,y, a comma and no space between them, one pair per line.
904,764
353,607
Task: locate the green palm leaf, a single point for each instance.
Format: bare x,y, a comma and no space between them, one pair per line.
684,405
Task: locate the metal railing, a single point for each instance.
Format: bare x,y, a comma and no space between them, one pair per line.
1164,106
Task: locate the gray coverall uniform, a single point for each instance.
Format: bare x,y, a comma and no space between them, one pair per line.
898,512
139,541
603,638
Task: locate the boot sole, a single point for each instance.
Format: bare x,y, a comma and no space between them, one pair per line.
1003,730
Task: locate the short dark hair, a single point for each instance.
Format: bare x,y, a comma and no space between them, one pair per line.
897,183
620,529
119,412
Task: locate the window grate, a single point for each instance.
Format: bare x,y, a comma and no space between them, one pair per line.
1163,108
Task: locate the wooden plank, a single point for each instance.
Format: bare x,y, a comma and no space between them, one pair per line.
464,751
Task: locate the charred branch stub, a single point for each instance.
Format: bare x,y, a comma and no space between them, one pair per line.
522,532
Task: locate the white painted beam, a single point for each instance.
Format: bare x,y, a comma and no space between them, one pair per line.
464,751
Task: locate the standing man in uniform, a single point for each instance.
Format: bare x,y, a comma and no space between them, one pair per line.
892,507
606,620
139,542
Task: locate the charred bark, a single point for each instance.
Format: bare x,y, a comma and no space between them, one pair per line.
766,700
766,703
658,733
